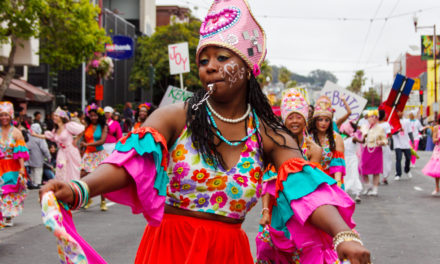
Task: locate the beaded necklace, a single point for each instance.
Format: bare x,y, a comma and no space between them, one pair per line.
235,143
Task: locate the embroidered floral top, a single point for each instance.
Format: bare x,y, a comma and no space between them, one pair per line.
12,149
332,161
197,186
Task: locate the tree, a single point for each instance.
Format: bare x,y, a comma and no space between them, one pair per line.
154,51
373,98
68,30
265,76
284,75
357,82
319,77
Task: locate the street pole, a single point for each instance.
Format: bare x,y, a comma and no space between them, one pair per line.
83,86
435,75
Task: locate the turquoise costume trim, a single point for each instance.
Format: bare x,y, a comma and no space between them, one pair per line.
296,186
97,136
337,162
147,144
20,148
269,175
9,178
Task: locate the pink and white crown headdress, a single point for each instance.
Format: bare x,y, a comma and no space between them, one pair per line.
7,107
61,113
323,107
230,24
293,102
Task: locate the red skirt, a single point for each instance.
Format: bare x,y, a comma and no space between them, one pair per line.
186,240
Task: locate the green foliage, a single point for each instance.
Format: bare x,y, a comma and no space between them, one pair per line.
321,76
284,75
266,74
291,84
154,51
70,33
373,98
19,18
357,82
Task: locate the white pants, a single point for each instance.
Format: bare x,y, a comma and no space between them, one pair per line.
36,175
109,147
387,164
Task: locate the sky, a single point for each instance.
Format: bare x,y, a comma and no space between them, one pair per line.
340,36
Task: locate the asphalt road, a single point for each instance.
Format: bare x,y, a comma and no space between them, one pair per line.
401,225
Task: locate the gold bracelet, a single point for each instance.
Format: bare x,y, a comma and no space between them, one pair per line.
345,236
265,209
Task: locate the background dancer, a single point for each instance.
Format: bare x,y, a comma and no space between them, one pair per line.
321,129
432,168
68,157
114,130
13,153
94,138
372,158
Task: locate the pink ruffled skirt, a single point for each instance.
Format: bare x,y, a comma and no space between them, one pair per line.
432,168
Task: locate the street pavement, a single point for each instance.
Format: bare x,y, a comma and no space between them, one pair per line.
401,225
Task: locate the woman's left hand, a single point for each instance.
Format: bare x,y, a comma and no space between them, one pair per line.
83,144
265,219
354,252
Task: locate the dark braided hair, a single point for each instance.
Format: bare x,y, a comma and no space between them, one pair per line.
203,137
329,133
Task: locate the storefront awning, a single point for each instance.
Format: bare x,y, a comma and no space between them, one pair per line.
23,90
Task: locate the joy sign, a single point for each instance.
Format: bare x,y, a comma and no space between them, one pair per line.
336,93
178,57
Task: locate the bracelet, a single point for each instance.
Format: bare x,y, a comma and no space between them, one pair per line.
265,209
80,191
345,236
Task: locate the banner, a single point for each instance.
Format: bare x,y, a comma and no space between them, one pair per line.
428,47
174,95
179,58
121,49
336,92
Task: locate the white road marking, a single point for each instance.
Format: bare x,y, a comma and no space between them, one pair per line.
110,204
417,188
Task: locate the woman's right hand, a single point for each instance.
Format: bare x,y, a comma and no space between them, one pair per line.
61,189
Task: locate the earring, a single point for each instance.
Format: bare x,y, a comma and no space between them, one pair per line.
249,75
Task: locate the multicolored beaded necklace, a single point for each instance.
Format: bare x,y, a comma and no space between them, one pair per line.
235,143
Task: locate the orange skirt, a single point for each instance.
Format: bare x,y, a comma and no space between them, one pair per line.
187,240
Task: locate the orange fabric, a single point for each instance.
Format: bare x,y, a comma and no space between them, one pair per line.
7,165
290,166
88,137
338,154
157,137
137,125
189,240
20,142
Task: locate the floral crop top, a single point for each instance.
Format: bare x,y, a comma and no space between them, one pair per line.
197,186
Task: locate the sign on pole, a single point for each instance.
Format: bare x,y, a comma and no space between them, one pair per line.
179,58
174,95
336,92
121,49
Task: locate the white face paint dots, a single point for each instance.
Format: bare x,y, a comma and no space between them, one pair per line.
232,73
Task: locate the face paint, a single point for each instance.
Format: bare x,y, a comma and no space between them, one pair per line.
232,72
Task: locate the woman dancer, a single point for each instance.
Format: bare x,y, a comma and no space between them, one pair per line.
142,114
114,130
321,128
94,138
372,158
386,150
64,135
217,142
351,145
13,153
432,168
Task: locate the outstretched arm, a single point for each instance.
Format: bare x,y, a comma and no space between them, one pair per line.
342,119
